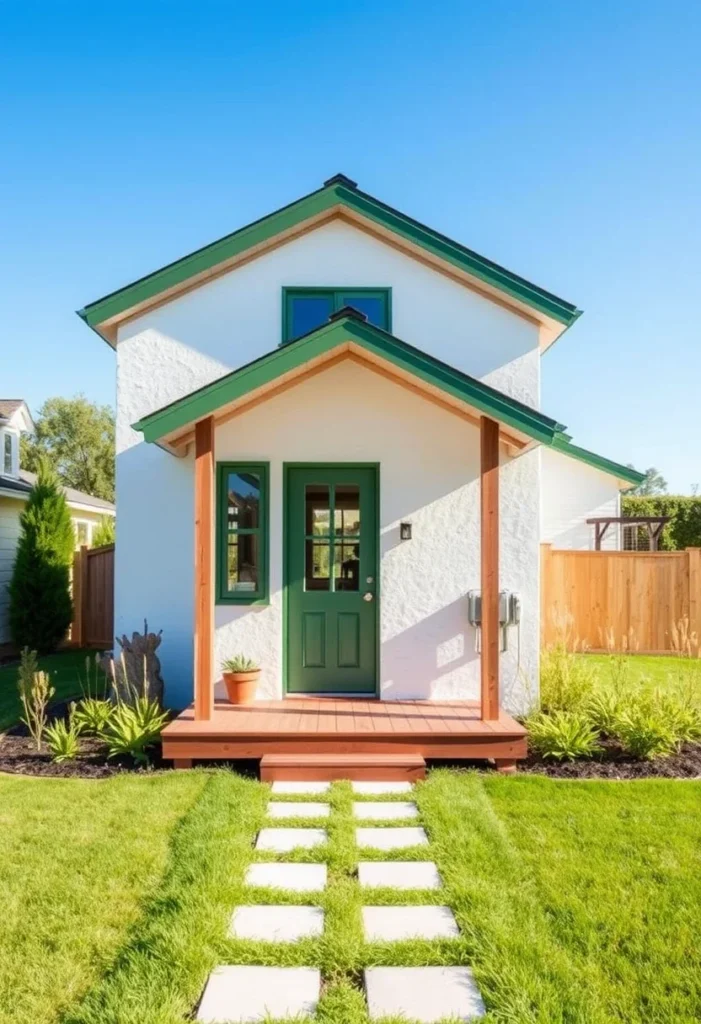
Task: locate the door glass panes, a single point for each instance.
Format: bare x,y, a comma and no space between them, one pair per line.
317,510
346,566
347,510
308,312
242,563
332,537
243,501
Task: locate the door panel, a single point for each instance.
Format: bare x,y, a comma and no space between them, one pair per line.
331,555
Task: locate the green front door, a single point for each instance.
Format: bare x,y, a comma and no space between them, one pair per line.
331,552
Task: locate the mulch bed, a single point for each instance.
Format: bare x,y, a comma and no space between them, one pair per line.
19,756
613,763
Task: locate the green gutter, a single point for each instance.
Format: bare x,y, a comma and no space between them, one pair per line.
631,476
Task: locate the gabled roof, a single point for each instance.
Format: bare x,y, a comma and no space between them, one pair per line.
624,474
9,407
23,485
339,196
348,330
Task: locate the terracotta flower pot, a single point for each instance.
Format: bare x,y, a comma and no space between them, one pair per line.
241,686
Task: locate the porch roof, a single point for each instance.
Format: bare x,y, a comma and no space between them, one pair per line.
348,335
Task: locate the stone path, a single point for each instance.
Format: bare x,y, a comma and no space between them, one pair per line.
243,995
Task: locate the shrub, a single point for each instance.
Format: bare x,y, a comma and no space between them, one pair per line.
40,599
563,735
132,729
603,710
62,740
684,529
644,730
91,715
240,663
566,680
35,692
104,533
681,714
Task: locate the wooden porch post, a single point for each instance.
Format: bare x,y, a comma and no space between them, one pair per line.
204,569
489,506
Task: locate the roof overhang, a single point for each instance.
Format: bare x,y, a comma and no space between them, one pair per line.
338,199
347,337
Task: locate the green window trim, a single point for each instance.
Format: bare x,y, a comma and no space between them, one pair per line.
340,296
262,594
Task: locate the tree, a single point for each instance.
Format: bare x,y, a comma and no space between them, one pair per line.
104,533
40,596
654,483
77,437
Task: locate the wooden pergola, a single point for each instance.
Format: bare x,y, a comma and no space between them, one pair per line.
654,524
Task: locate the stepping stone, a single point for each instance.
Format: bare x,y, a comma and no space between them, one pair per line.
299,788
398,874
295,877
377,788
298,810
391,811
426,994
244,995
391,924
283,840
276,924
390,838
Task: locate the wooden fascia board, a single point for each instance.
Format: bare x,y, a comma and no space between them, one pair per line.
273,370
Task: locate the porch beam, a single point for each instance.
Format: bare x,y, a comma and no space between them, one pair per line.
489,559
204,569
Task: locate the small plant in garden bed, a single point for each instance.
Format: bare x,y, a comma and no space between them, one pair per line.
563,736
62,740
91,715
35,691
133,728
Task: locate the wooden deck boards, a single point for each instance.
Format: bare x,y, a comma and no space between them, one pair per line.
434,729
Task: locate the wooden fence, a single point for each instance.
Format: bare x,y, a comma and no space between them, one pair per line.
620,599
93,597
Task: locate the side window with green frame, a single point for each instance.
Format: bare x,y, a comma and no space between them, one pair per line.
305,309
242,532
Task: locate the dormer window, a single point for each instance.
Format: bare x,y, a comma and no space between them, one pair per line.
7,454
305,309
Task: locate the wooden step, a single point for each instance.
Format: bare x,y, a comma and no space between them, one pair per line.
327,767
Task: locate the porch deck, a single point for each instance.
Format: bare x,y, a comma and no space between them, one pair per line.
325,725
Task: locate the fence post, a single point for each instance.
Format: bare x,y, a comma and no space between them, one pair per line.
694,576
80,595
546,552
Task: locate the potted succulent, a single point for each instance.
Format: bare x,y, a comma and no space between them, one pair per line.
241,677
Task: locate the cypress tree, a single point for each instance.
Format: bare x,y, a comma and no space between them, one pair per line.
40,596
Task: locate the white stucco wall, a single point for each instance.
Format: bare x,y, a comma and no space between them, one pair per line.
168,352
429,462
573,492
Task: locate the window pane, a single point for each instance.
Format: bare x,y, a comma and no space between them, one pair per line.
81,533
317,566
347,510
242,563
372,305
243,501
346,566
316,512
7,467
308,312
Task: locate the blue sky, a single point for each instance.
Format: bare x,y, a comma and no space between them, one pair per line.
562,140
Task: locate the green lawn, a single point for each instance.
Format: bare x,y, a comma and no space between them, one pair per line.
649,670
579,903
67,669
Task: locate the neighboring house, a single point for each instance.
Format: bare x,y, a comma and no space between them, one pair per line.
15,485
350,379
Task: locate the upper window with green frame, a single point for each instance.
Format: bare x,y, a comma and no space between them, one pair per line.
242,532
305,309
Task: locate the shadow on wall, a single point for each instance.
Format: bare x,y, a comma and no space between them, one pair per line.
433,659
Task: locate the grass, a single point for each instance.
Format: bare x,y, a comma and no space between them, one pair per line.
67,669
650,670
578,903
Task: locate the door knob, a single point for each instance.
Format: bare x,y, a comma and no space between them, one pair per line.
367,596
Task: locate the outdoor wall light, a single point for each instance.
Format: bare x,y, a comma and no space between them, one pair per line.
405,531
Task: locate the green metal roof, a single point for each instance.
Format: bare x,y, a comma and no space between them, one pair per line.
342,329
337,191
631,476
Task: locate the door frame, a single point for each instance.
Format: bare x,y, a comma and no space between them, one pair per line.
286,468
